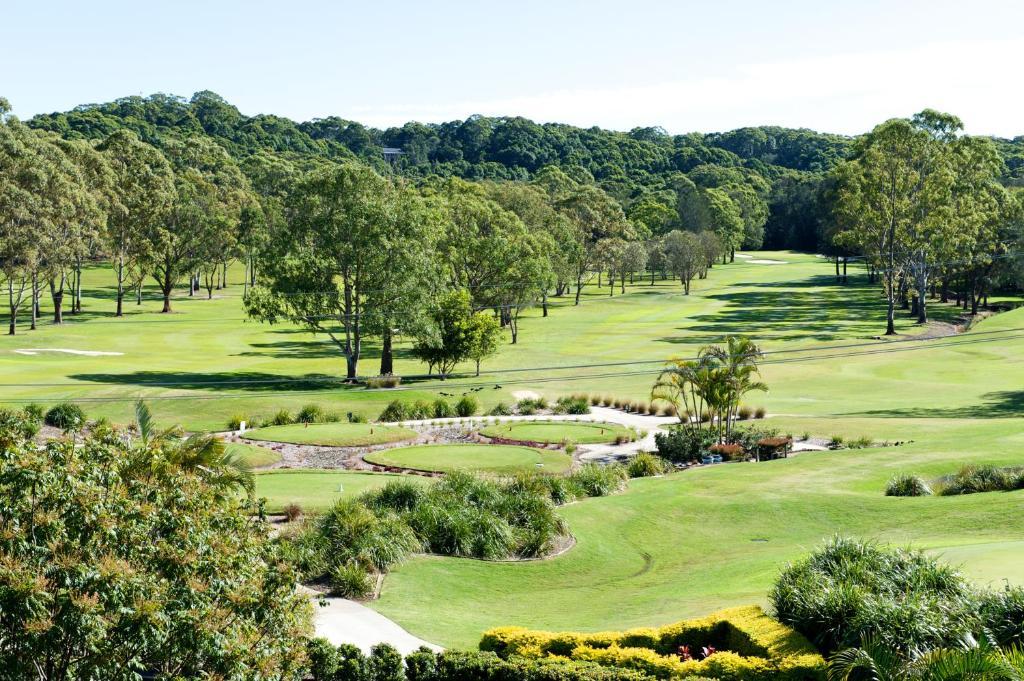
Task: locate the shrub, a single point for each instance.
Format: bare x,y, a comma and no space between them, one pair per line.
323,659
759,413
311,413
907,486
836,442
395,495
596,480
384,664
455,665
595,401
282,418
571,405
467,406
292,512
645,465
862,442
34,412
66,416
744,413
421,665
236,421
848,588
442,409
395,411
1002,615
622,439
748,436
335,417
351,580
500,409
682,444
351,533
974,479
384,382
356,417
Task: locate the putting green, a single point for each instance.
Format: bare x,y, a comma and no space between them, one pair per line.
332,434
557,431
254,456
484,458
317,490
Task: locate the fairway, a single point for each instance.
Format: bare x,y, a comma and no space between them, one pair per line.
317,490
253,455
501,459
332,434
557,431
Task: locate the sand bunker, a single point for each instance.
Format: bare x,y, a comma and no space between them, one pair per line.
86,353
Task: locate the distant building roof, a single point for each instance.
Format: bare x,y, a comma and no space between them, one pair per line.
391,151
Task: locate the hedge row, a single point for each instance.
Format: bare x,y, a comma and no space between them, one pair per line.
752,647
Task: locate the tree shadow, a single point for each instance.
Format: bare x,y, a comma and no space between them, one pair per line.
999,404
218,381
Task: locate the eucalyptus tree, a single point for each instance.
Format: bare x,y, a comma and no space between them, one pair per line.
712,248
753,212
726,220
684,256
271,177
208,196
353,256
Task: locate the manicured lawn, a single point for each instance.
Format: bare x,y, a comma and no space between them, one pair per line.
317,490
332,434
556,431
255,456
483,458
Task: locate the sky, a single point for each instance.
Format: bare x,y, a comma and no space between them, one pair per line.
685,66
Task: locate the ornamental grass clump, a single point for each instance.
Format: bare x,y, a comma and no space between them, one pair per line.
905,485
645,465
395,411
596,480
467,406
975,479
66,416
311,413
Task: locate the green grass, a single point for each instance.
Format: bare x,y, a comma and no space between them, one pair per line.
500,459
332,434
253,455
317,490
668,547
556,431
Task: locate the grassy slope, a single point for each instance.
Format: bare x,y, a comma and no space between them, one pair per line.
316,490
253,455
332,434
485,458
556,431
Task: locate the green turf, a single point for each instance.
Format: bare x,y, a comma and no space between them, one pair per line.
332,434
316,490
253,455
501,459
556,431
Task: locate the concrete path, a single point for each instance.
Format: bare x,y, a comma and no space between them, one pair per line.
343,621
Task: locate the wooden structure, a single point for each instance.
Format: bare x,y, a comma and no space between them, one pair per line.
773,448
727,452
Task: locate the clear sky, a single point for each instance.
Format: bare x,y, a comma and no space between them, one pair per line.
697,65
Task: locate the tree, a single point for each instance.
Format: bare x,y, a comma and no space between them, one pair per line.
113,571
753,211
684,255
483,333
352,258
712,247
447,341
725,219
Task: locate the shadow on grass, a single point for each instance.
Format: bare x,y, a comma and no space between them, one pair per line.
256,381
1000,404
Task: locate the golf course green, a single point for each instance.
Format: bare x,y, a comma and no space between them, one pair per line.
252,455
316,490
557,431
667,548
501,459
332,434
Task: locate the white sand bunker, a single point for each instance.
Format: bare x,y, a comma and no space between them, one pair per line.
757,261
86,353
744,256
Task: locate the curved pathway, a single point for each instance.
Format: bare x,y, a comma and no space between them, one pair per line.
340,620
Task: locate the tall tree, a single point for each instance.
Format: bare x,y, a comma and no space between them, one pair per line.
684,255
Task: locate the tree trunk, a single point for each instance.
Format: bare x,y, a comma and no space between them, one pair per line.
166,286
837,269
387,362
138,294
845,260
622,280
478,367
544,303
922,297
57,294
35,300
77,304
579,288
120,288
944,294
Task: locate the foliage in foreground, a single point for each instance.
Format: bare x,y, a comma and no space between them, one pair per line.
849,590
968,480
907,486
747,644
118,559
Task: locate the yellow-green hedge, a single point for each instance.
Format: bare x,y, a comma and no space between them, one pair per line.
751,645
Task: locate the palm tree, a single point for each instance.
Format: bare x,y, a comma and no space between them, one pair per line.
875,661
738,361
201,454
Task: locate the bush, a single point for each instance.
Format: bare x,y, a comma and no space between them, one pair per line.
974,479
443,409
500,409
759,413
420,410
34,412
395,411
595,401
645,465
596,480
384,664
456,665
467,406
862,442
356,417
236,421
744,413
335,417
907,486
1002,615
421,665
683,444
282,418
292,512
384,382
571,405
351,580
836,442
323,659
66,416
397,495
849,588
311,413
